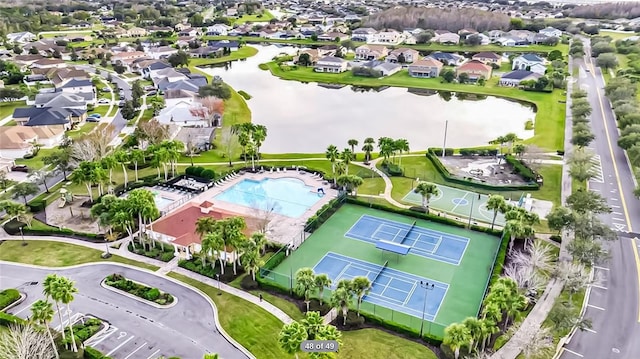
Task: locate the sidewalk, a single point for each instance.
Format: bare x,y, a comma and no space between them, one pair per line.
164,268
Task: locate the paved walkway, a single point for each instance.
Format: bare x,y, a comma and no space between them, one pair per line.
164,268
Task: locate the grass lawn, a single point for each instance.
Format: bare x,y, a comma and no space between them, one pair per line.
11,123
57,254
257,330
615,35
36,163
235,110
86,128
101,110
265,16
550,190
549,120
373,186
6,108
147,114
242,53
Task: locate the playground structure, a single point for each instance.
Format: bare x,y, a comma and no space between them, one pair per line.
66,197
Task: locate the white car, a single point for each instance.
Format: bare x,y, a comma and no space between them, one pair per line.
103,101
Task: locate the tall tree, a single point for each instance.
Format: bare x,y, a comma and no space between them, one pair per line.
305,284
332,155
368,148
24,189
64,289
291,337
49,289
346,156
426,190
361,287
352,143
474,325
401,145
321,282
25,342
341,298
456,336
497,204
136,156
42,314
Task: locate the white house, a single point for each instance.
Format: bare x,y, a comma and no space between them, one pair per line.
218,30
363,34
390,37
21,37
182,114
550,31
448,38
331,64
530,62
162,52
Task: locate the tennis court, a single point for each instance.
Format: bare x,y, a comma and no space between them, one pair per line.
429,243
334,249
460,203
390,288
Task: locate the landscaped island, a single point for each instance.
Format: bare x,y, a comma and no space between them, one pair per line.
142,291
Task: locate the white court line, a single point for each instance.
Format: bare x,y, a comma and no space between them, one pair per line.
415,284
154,353
599,286
601,268
595,307
120,346
590,330
435,248
133,352
25,308
458,204
572,352
342,272
618,219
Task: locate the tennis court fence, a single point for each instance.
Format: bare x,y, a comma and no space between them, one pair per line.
387,317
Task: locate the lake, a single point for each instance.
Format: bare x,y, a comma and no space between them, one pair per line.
306,117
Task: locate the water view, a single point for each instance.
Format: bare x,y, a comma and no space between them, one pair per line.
306,117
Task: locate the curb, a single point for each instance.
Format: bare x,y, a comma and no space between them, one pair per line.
148,302
16,303
175,281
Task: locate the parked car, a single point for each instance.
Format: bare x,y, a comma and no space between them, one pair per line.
20,168
106,89
103,101
152,93
93,119
149,88
121,104
96,115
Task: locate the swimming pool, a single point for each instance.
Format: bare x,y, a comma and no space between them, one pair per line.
161,202
286,196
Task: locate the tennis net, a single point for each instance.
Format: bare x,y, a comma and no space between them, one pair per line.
375,277
409,232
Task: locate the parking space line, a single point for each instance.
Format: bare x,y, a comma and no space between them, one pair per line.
120,346
595,307
154,353
599,286
586,329
25,308
601,268
133,352
104,336
574,353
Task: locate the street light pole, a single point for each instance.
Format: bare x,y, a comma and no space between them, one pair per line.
22,235
218,280
471,210
444,143
427,287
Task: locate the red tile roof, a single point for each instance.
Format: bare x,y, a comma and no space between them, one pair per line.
474,65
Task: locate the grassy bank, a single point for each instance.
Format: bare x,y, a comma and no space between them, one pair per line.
58,254
6,108
257,330
549,120
242,53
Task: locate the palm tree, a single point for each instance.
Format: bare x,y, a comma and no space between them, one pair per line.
496,203
122,158
305,283
368,148
109,163
346,156
313,323
353,143
456,336
426,190
260,240
487,329
291,337
361,287
136,156
475,329
515,228
386,147
259,134
49,290
321,282
109,237
340,299
332,155
516,303
64,291
42,313
491,311
402,145
340,170
511,139
251,261
215,243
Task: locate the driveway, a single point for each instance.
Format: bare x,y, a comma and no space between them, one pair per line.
137,330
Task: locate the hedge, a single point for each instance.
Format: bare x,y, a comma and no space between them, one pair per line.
438,151
322,215
444,172
139,290
8,297
392,169
36,206
13,228
520,168
499,262
431,339
8,319
91,353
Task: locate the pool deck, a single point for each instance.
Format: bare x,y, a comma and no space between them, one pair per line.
281,229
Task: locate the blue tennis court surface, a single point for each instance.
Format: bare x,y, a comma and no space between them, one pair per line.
391,288
424,242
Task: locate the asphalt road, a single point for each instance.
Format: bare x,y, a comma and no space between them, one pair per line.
614,303
138,330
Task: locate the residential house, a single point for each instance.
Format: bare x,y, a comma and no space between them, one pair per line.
182,26
206,52
530,62
193,32
48,116
475,70
523,35
196,137
60,100
21,37
389,37
230,45
137,32
447,38
332,36
184,41
128,55
231,12
447,58
178,228
162,52
509,41
551,32
48,64
190,83
19,141
428,67
24,62
541,39
218,30
173,97
495,34
166,75
331,64
371,52
183,113
514,78
388,68
403,55
488,58
364,34
151,67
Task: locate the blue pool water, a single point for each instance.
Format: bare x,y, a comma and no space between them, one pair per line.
287,196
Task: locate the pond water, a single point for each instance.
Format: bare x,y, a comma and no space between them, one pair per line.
306,117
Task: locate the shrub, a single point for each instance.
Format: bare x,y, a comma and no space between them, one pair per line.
392,169
153,294
208,174
244,95
8,296
91,353
13,228
8,319
248,283
197,171
263,67
322,215
353,320
438,151
166,257
189,170
521,168
556,238
36,206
